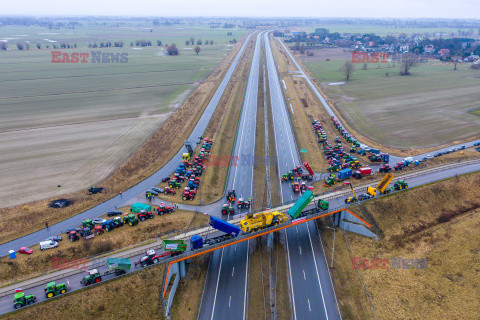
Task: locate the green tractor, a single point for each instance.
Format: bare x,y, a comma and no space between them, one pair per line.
174,184
333,168
130,219
52,289
330,181
400,184
20,300
88,224
288,176
323,204
93,277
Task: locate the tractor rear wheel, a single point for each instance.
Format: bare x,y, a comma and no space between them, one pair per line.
29,302
98,279
184,198
50,294
142,218
18,305
63,291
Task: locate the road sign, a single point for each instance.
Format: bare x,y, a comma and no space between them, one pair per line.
303,150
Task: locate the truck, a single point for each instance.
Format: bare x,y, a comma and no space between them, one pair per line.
344,174
138,206
52,289
362,172
20,300
262,220
174,245
300,204
117,266
381,186
224,226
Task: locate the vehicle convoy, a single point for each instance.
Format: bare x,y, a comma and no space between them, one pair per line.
262,220
52,289
20,300
93,277
296,210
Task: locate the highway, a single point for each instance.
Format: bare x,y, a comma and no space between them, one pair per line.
226,287
120,200
312,292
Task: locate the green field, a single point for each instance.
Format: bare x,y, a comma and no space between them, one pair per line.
430,107
72,124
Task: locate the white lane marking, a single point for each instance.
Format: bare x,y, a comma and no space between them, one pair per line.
304,277
216,288
296,227
309,309
233,271
291,281
229,300
300,249
246,283
316,269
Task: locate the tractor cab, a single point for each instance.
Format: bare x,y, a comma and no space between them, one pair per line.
231,195
330,181
98,229
52,289
242,204
87,224
296,187
188,193
92,277
227,209
73,236
303,186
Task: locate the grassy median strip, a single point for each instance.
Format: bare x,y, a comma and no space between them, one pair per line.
283,305
24,219
438,222
258,281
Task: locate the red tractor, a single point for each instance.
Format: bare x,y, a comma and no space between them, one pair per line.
161,210
188,194
227,209
296,187
169,190
303,186
231,195
242,204
399,166
385,168
143,215
98,229
374,158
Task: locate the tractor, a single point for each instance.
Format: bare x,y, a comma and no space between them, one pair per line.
92,277
242,204
323,204
296,187
298,170
20,300
400,166
52,289
161,210
144,214
227,209
330,181
98,229
288,176
231,195
179,178
385,168
174,184
73,236
353,149
169,190
108,225
352,199
333,168
362,152
189,194
130,219
400,184
87,224
118,222
374,158
150,258
303,186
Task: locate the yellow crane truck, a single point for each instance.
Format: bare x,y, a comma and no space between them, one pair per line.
262,220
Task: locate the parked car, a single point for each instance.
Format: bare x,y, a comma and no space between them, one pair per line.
48,244
429,156
25,250
114,213
477,143
158,190
54,238
98,220
461,148
165,179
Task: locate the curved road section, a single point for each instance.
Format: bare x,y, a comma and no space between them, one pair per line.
226,287
146,184
311,287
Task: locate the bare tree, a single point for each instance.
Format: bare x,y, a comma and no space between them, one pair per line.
197,49
408,62
172,50
347,69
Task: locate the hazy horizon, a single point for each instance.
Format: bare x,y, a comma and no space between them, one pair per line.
408,9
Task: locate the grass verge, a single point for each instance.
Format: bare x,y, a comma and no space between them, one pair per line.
258,282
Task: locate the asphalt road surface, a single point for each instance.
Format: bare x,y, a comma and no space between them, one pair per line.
312,293
146,184
226,287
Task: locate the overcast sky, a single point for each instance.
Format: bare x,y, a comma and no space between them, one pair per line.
250,8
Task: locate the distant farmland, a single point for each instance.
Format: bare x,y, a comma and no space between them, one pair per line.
428,108
72,124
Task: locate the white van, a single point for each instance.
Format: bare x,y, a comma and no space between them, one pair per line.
48,244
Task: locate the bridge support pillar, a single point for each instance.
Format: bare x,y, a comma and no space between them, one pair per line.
347,221
177,270
182,268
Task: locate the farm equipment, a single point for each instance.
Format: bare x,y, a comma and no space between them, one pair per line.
231,195
186,156
242,204
227,209
143,215
118,222
362,152
344,174
352,199
161,210
73,236
400,184
224,226
330,181
150,258
87,224
108,225
333,168
174,245
374,158
188,194
138,207
52,289
93,277
296,187
98,230
385,168
400,166
288,176
130,219
20,300
262,220
95,190
196,242
174,184
385,157
169,190
118,266
300,204
382,185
